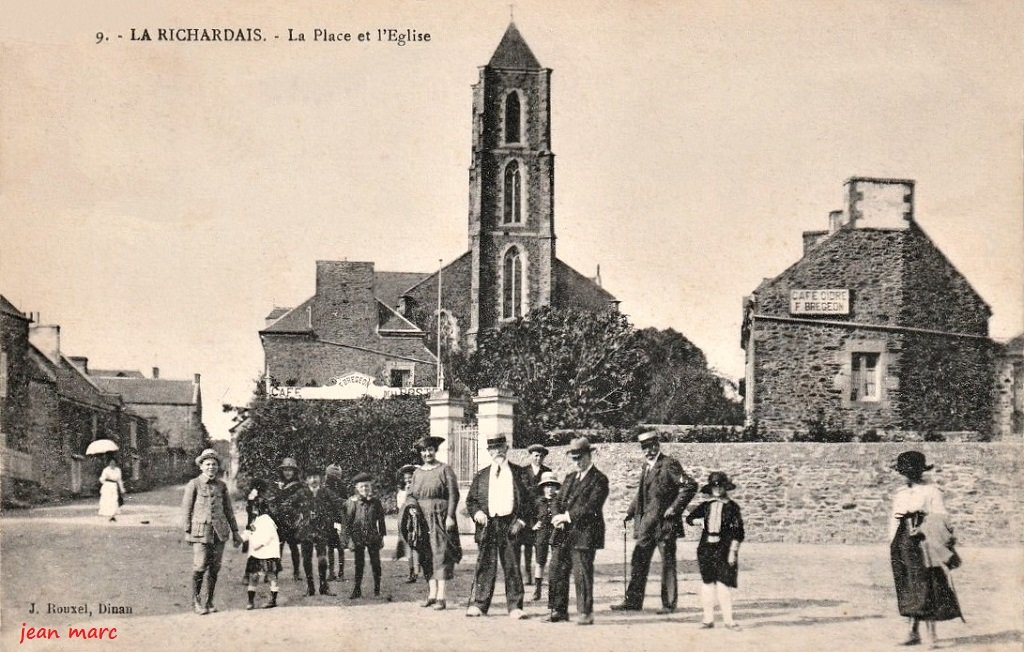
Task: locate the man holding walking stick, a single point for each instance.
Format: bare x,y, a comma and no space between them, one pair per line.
664,492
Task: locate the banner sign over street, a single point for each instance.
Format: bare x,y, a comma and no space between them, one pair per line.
350,386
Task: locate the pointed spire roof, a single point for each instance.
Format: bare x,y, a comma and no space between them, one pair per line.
513,52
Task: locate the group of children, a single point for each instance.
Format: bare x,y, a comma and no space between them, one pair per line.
321,523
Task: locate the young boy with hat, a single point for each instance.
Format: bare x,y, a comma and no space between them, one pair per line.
405,480
718,550
209,520
542,528
365,515
320,511
534,470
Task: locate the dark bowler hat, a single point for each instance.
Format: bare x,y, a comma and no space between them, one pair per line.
648,438
208,454
408,468
537,448
429,442
362,476
911,462
549,477
579,445
288,463
717,479
500,440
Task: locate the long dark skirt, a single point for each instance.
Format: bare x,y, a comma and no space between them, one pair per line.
921,592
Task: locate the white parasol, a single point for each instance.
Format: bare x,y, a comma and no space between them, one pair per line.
101,446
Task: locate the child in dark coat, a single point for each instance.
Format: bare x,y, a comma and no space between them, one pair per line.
542,529
405,481
718,550
365,517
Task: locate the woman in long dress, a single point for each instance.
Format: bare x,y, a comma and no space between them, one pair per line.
435,494
921,550
111,490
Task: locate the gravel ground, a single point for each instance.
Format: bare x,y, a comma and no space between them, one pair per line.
791,597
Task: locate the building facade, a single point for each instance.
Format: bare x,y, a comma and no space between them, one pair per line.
378,323
872,329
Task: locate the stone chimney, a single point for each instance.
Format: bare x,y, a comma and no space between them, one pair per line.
81,362
879,203
46,338
156,372
196,381
344,307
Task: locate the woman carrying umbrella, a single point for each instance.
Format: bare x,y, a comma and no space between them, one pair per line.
111,490
111,485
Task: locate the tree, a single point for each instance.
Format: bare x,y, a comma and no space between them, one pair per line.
569,368
682,387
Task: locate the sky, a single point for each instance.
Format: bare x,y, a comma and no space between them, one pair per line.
157,199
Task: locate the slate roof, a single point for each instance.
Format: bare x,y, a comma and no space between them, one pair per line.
389,320
277,312
8,308
72,383
389,287
151,391
41,369
116,373
513,52
295,320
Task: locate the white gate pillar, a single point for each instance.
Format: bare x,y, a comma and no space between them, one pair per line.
495,412
446,411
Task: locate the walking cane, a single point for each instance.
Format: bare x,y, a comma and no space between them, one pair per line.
624,582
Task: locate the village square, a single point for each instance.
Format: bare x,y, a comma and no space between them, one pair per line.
852,482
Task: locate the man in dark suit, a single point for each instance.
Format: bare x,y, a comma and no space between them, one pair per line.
501,503
579,532
664,492
534,470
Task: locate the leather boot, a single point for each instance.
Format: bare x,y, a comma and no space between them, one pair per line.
537,586
376,586
211,585
252,599
197,589
273,600
310,588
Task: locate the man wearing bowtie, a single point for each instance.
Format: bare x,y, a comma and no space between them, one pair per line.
501,503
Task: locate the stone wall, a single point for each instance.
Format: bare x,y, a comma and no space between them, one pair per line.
305,361
831,493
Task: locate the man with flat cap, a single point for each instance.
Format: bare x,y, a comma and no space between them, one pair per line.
501,503
663,493
534,470
578,521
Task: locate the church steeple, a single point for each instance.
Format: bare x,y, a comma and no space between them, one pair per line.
513,52
511,186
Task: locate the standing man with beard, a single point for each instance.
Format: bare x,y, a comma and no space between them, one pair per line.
501,503
579,532
664,492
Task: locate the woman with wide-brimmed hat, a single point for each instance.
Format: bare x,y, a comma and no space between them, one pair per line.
921,550
719,547
432,500
286,509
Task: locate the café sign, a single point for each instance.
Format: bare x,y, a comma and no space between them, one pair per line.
831,301
347,387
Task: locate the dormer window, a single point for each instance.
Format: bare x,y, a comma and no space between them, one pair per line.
513,118
513,190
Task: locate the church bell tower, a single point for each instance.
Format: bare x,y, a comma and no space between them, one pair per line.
511,187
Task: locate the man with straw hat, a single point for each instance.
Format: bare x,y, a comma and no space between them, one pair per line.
663,493
209,520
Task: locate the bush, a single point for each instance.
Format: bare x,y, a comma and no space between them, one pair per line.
871,436
825,430
370,435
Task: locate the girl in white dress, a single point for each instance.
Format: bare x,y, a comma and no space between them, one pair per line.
111,490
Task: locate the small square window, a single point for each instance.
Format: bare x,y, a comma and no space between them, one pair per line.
400,378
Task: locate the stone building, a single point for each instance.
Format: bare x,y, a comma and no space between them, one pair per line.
378,323
872,329
174,407
1008,408
49,413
